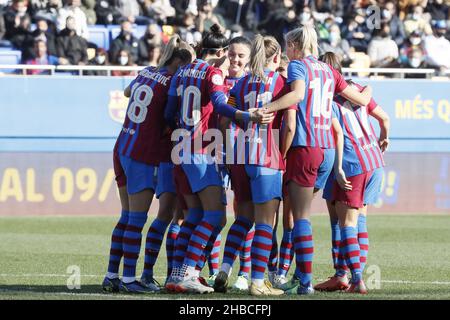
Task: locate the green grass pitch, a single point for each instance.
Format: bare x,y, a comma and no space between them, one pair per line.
411,252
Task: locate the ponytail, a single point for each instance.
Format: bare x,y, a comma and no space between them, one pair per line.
212,41
305,39
175,48
263,49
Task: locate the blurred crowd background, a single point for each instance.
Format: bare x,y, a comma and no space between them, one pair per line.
409,33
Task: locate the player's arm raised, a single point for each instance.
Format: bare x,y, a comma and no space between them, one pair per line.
384,122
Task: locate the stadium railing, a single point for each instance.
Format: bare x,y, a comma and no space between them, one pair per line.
76,69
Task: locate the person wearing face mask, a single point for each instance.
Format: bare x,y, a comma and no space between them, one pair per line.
124,59
73,9
334,43
438,47
151,39
71,47
414,43
100,59
397,30
416,21
382,50
357,33
125,41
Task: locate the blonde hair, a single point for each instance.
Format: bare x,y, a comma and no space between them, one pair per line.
175,48
304,38
263,49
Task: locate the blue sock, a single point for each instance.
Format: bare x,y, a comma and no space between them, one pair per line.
363,239
132,242
286,253
244,256
335,242
171,238
261,246
304,250
116,252
154,240
273,257
194,217
349,237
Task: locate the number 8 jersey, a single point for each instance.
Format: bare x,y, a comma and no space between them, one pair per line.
142,136
315,110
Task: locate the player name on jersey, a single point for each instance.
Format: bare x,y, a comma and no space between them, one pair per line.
158,77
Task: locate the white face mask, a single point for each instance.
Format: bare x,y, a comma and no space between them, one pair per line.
415,41
305,16
101,59
415,62
123,61
387,14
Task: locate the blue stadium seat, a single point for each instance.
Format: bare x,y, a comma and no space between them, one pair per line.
10,57
99,35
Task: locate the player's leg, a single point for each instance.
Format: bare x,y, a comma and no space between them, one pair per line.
286,247
272,265
172,235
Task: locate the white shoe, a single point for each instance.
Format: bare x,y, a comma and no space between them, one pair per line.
192,285
241,283
279,281
272,275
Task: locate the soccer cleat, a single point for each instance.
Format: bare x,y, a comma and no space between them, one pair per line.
172,282
134,287
358,287
150,283
279,281
211,280
193,285
300,290
272,275
334,283
265,289
221,282
111,285
289,285
241,283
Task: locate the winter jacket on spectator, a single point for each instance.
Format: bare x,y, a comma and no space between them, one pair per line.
124,41
438,10
107,12
88,9
79,16
72,47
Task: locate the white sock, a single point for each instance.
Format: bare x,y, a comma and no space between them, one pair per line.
111,275
258,282
128,279
226,268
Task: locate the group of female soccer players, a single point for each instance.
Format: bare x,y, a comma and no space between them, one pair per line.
291,125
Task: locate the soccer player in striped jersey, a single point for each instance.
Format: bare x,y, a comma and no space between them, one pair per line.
137,155
313,85
358,159
201,88
262,163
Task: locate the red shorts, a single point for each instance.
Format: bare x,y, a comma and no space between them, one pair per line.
303,164
182,186
121,178
285,187
240,183
355,197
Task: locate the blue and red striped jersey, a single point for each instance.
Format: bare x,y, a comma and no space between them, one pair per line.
314,111
142,137
259,144
361,149
194,84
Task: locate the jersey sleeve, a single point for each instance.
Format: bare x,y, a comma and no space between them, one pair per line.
339,82
296,71
173,86
215,81
371,106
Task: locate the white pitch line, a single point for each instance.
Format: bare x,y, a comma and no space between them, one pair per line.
51,275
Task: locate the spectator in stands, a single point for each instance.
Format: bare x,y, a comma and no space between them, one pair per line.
207,17
124,59
151,39
438,47
306,17
43,33
125,41
438,10
357,33
71,47
13,15
50,13
107,12
3,42
132,10
153,55
328,8
73,9
413,43
100,59
416,21
323,28
337,45
159,10
188,31
42,57
395,24
87,7
22,39
382,50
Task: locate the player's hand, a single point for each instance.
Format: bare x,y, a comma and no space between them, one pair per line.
342,181
260,116
384,144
